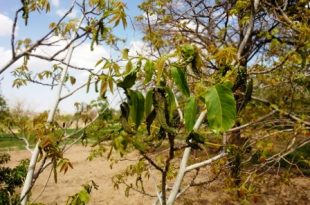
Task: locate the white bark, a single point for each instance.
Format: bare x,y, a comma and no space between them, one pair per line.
52,111
204,163
183,166
29,178
249,30
177,184
182,169
178,108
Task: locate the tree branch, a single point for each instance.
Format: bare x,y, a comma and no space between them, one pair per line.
36,44
292,116
183,164
249,30
29,178
13,32
206,162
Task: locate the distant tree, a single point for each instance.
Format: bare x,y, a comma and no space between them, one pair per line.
4,110
103,108
10,180
4,114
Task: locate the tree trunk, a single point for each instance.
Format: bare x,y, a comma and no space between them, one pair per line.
35,153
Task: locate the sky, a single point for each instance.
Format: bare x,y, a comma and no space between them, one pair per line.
38,98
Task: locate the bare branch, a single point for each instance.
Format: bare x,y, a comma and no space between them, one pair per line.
290,115
74,91
254,122
36,44
62,61
13,32
151,162
249,30
275,67
206,162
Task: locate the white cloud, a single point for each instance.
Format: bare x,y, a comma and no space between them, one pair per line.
6,25
61,13
138,47
83,56
5,55
55,3
192,25
152,18
39,98
177,5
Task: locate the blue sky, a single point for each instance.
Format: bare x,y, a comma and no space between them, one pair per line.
38,98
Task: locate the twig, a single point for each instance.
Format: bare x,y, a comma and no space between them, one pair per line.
254,122
281,111
74,91
37,43
274,68
204,163
45,185
83,128
151,162
13,32
139,191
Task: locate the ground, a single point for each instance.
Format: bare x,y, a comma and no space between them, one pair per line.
297,192
83,171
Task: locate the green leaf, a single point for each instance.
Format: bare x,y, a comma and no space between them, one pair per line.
125,53
124,118
149,120
103,88
88,83
128,67
188,51
98,62
136,105
149,68
221,107
107,64
190,113
138,143
72,80
170,101
148,102
116,68
129,80
110,81
84,196
120,144
225,55
159,103
118,13
180,80
96,85
160,65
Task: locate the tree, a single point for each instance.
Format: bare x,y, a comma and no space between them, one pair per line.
224,47
11,178
3,108
207,84
97,18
